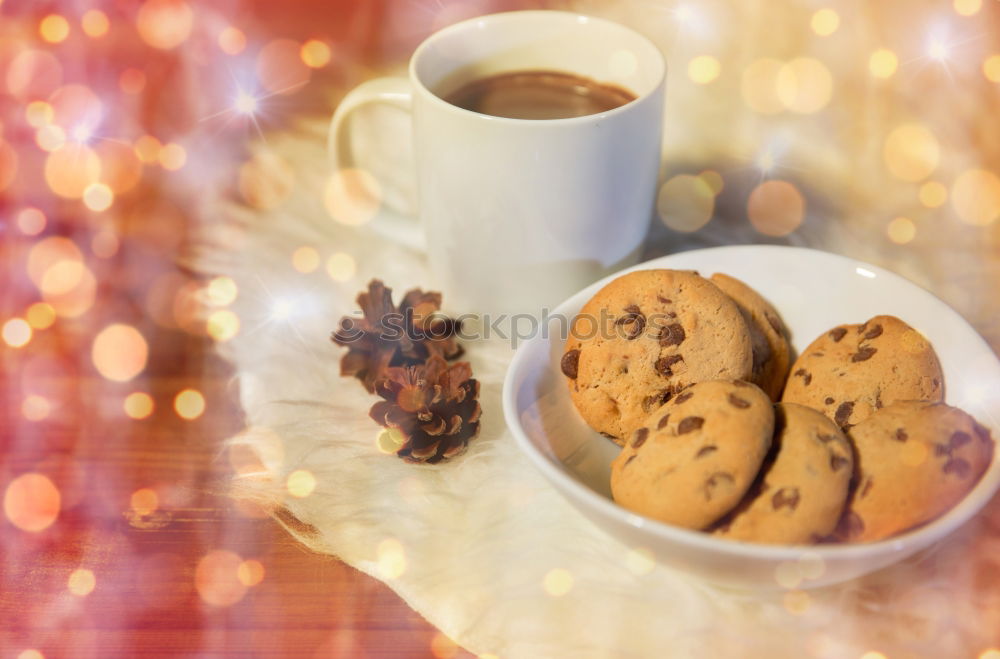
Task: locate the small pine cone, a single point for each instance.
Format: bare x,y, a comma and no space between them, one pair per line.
434,406
387,336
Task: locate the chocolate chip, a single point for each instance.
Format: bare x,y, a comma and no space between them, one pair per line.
570,364
672,335
864,353
664,300
837,333
829,400
850,526
942,450
650,403
713,481
684,397
664,420
636,322
805,375
843,413
959,438
786,497
901,435
663,364
639,437
689,424
705,450
736,401
874,332
866,488
838,461
774,322
957,466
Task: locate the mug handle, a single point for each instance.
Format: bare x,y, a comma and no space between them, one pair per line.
395,92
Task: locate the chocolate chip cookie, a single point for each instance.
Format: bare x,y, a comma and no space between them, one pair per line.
802,488
852,370
694,458
915,460
643,338
768,336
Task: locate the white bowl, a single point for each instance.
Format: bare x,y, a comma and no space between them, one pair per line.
813,291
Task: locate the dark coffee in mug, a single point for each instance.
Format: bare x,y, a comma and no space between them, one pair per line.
538,95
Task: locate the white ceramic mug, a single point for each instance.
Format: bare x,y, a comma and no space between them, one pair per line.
518,214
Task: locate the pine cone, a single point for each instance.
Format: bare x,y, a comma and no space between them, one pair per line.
388,336
433,406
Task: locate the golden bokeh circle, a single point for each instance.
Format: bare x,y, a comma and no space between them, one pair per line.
883,63
352,196
932,194
685,203
164,24
70,168
32,502
704,69
975,196
911,152
776,208
119,352
804,85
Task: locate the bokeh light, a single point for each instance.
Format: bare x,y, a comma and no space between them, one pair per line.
232,41
217,578
138,405
119,352
189,404
172,156
300,483
50,253
901,230
31,502
640,561
873,654
98,197
30,653
147,149
341,267
104,244
932,194
759,86
221,291
391,558
33,74
967,7
250,572
685,203
280,68
31,221
975,196
223,325
305,259
352,196
703,69
825,22
50,137
144,501
36,408
883,63
40,315
54,28
990,653
557,582
16,332
804,85
776,208
70,168
911,152
164,24
315,54
991,68
81,582
121,169
38,113
95,23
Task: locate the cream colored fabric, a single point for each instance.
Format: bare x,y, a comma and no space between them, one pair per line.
482,546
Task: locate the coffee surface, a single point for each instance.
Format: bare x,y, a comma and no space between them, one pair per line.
538,95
